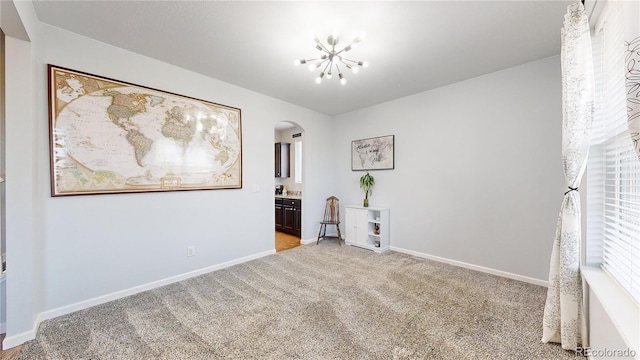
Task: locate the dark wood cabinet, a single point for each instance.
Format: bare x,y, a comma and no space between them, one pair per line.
289,216
282,159
279,215
297,221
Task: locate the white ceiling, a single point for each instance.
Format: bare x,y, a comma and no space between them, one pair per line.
411,46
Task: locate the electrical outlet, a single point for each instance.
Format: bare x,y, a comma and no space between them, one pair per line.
191,250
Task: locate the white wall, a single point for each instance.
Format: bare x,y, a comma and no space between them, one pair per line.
604,336
22,283
478,176
85,249
137,238
3,245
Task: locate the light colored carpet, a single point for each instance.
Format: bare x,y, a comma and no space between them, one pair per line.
313,302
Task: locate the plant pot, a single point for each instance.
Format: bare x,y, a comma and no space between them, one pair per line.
366,203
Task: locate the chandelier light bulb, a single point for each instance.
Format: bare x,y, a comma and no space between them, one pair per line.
329,75
343,80
318,80
355,69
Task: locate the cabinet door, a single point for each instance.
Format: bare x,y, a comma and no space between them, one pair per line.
350,223
282,159
356,221
278,157
288,218
363,225
297,222
278,217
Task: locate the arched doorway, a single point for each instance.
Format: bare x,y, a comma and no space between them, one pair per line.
288,184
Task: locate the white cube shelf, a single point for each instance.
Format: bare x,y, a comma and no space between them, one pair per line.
361,223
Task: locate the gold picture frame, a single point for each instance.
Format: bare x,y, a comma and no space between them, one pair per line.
108,136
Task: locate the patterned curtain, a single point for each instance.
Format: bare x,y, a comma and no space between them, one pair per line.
563,320
632,78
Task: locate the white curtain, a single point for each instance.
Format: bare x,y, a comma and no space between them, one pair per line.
563,320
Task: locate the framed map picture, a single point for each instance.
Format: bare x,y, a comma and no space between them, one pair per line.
372,154
109,136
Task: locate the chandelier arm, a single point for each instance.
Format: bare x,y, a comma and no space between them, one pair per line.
345,59
310,60
317,61
348,47
319,64
326,67
324,48
339,71
355,41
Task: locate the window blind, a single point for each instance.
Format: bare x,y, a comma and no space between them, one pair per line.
613,170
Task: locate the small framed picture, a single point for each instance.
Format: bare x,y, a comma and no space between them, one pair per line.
373,153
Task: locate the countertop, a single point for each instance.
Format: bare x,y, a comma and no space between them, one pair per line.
293,197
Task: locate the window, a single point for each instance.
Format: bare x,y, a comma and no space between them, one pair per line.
617,202
613,170
298,161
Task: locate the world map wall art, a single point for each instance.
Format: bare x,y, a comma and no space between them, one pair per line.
108,136
373,154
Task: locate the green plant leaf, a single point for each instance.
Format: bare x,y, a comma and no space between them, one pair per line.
366,183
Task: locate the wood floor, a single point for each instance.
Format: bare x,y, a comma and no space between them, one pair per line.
286,241
10,354
283,242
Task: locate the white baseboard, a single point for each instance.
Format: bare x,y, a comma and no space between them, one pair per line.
14,340
3,300
307,241
314,240
19,339
483,269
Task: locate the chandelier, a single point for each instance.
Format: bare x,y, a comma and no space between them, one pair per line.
331,58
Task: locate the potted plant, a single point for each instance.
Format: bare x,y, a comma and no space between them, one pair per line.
366,183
